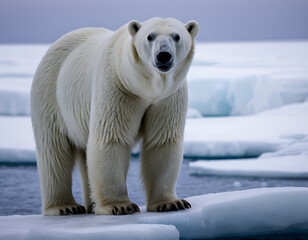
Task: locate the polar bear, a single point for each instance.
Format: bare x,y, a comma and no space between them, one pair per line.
94,95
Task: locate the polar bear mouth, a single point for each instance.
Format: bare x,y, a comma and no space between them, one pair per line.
164,61
164,68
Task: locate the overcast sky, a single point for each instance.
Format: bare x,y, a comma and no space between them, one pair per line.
43,21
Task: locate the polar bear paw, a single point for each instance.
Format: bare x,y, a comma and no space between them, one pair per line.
117,209
65,210
179,204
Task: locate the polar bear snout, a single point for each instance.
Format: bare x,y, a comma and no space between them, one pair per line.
164,61
163,50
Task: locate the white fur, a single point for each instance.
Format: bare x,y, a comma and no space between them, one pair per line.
94,95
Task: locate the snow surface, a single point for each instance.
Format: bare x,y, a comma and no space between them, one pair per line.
241,213
225,78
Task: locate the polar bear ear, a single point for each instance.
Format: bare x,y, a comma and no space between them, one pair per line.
133,27
192,27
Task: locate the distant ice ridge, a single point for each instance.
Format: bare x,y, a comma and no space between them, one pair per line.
225,78
246,78
14,96
17,66
254,212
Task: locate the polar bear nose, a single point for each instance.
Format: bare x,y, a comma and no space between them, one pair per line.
164,61
164,57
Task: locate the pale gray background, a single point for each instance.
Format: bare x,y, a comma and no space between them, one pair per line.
43,21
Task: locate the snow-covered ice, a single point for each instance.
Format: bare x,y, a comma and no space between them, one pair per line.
242,213
245,78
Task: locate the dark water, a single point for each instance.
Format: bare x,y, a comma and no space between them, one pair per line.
20,190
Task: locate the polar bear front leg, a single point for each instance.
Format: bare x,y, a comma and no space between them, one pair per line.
160,168
162,152
108,165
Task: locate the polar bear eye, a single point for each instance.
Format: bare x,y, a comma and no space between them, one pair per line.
176,37
151,37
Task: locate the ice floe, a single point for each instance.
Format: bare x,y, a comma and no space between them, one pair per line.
241,213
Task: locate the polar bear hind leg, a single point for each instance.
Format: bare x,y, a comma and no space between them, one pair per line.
55,152
56,163
83,170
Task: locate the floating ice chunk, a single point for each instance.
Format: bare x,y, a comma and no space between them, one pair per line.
237,184
295,166
290,161
263,184
296,147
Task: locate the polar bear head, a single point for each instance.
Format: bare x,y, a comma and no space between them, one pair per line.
162,44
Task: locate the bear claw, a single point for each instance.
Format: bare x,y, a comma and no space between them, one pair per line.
136,208
173,206
68,211
72,210
186,204
180,205
124,210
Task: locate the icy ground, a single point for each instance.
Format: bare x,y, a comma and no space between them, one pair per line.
244,213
